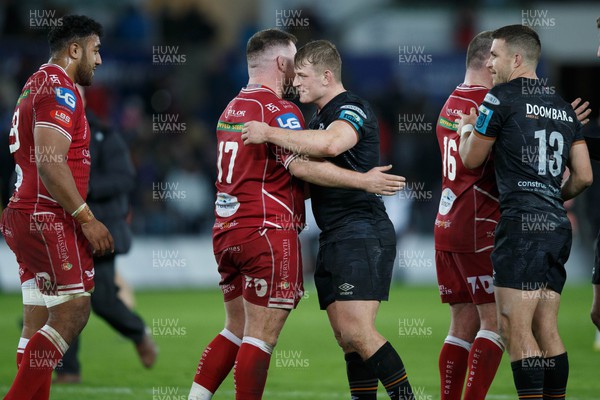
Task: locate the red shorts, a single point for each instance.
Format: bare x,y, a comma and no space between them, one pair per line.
267,271
465,277
51,248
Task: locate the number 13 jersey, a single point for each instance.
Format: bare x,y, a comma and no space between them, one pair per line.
468,211
534,130
254,189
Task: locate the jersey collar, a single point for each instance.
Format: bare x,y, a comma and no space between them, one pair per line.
58,67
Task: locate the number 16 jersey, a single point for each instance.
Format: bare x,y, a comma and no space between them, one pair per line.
254,189
468,210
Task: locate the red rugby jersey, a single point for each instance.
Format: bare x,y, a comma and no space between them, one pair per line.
254,189
469,209
49,99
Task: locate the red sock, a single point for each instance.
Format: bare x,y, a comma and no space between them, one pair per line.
453,367
43,393
251,366
217,360
484,359
44,350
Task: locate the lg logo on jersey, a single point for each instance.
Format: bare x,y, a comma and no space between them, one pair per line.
486,281
289,121
65,97
260,285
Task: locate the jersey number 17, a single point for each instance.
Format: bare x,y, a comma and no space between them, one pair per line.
226,147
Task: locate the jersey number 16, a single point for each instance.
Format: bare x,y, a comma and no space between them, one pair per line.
449,160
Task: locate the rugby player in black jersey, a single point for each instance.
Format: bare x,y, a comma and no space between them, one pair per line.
595,155
535,135
357,243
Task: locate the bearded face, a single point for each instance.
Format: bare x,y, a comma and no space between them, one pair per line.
90,59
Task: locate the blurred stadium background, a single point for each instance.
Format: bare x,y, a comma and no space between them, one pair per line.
171,66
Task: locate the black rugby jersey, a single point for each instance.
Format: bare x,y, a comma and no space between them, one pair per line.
534,130
351,213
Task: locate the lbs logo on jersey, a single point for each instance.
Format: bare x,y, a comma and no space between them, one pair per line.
289,121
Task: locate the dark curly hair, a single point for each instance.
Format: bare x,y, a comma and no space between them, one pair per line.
72,29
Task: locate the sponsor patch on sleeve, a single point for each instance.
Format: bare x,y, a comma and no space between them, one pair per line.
62,118
490,98
289,121
65,97
485,114
352,117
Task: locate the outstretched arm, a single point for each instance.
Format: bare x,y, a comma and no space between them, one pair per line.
337,138
324,173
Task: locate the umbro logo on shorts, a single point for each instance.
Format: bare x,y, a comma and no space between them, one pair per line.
345,288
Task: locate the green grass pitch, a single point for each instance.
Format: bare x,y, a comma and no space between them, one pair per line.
306,364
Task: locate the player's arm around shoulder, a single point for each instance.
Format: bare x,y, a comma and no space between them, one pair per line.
324,173
474,148
338,137
580,168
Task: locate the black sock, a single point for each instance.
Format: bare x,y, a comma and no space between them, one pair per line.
363,382
556,374
528,374
388,367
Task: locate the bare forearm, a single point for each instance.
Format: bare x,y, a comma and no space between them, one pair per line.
326,174
58,180
314,143
572,187
463,150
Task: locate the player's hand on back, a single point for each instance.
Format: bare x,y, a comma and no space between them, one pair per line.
582,111
378,182
99,237
254,132
465,119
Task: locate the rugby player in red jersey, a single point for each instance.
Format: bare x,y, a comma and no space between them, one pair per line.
357,244
464,239
519,116
259,211
47,223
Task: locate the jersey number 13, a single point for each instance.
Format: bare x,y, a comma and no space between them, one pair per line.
557,144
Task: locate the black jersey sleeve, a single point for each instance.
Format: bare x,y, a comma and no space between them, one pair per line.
355,114
491,115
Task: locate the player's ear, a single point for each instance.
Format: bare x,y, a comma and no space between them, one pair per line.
75,50
281,63
517,60
327,78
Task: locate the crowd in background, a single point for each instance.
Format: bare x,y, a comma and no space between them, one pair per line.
170,68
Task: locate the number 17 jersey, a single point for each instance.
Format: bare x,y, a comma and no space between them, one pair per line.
468,210
254,189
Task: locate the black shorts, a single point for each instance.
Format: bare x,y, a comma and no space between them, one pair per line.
596,270
528,260
354,269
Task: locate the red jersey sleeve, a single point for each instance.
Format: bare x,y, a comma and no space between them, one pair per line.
55,106
287,118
